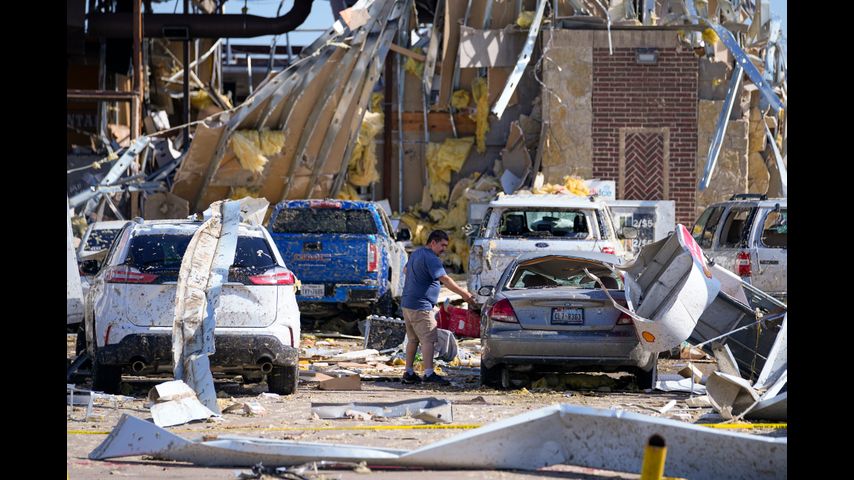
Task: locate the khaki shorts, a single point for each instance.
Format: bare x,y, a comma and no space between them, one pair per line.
420,326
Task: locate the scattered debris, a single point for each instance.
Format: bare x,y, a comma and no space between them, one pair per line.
668,286
681,385
246,408
560,434
666,408
433,409
383,333
175,403
692,371
339,380
204,268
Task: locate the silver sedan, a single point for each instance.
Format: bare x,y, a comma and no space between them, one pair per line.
546,314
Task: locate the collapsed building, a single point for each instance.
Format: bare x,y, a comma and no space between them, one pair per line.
435,105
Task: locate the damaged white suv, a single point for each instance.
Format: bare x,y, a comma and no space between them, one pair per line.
517,224
131,303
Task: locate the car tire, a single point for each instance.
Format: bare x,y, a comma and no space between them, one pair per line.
491,376
106,378
283,380
647,379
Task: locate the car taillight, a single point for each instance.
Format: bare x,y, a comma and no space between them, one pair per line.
609,250
742,262
373,257
274,276
502,311
126,274
624,319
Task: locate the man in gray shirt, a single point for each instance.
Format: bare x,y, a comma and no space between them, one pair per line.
424,271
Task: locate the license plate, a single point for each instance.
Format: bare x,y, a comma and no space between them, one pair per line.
567,316
312,290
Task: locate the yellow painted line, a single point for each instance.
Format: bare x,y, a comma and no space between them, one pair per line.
743,425
307,429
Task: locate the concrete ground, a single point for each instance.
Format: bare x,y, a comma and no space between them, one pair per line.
290,418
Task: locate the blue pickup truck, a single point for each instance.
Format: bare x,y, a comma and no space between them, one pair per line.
344,254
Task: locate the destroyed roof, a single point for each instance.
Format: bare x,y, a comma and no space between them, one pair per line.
545,200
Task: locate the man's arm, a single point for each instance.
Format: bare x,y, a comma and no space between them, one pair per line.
452,285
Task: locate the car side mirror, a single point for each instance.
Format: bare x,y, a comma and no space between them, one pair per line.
90,267
628,233
403,235
486,291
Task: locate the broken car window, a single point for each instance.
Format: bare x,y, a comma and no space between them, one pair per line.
736,227
704,230
324,220
775,229
562,272
164,252
536,223
101,239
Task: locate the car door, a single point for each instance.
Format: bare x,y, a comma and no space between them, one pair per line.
734,236
771,243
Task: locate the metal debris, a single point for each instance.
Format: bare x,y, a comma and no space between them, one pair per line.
204,268
560,434
431,407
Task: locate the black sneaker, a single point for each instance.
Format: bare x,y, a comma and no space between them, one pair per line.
411,378
438,380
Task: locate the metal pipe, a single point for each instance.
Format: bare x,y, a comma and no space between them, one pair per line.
136,104
186,103
114,25
266,366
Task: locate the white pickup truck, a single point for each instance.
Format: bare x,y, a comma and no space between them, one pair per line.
516,224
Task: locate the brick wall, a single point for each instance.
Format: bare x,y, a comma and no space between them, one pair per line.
628,95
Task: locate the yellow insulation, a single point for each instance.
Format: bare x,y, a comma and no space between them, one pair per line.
348,193
442,159
572,185
246,145
362,168
272,141
710,37
526,18
413,66
241,192
200,99
480,92
460,99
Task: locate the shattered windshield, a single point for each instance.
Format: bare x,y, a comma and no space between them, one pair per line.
544,222
101,239
548,272
165,251
324,220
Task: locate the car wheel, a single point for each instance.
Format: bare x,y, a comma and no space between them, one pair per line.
106,378
283,380
646,379
491,377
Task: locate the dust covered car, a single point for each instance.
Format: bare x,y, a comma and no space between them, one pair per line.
547,315
131,307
